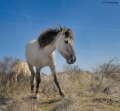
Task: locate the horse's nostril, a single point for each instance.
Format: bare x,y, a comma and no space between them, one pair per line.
71,60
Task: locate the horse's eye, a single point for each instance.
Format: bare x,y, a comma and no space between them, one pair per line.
66,42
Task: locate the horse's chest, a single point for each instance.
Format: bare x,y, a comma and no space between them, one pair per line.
42,61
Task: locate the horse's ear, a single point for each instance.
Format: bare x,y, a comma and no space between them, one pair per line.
59,27
64,29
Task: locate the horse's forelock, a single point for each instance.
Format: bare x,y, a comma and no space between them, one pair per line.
69,33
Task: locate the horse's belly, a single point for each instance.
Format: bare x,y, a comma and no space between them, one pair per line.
42,62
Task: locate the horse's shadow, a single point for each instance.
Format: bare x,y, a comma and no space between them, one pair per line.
4,100
52,101
48,101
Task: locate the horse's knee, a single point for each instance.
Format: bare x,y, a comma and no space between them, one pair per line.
38,81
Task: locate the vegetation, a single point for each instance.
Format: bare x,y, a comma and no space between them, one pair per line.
85,91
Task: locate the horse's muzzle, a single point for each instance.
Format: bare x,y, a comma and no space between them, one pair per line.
71,60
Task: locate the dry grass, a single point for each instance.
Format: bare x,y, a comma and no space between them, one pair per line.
79,87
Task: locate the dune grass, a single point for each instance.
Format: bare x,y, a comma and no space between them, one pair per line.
78,85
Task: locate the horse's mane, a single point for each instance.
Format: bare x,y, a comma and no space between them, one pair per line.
48,35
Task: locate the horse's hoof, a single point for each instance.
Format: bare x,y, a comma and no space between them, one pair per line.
37,97
32,91
63,94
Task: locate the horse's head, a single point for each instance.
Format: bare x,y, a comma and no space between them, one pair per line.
65,44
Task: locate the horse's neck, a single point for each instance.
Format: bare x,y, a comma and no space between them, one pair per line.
50,48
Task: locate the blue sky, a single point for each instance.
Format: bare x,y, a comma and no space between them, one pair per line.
96,25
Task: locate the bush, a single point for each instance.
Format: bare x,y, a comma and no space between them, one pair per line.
108,70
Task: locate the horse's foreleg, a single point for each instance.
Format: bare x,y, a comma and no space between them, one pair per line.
32,81
57,83
53,70
38,80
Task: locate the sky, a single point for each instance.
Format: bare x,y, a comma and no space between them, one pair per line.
96,25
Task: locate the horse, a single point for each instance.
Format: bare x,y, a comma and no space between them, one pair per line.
19,67
41,52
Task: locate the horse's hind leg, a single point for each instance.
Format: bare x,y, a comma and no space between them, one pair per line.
32,77
38,80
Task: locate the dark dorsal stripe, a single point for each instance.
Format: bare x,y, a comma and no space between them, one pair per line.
47,36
